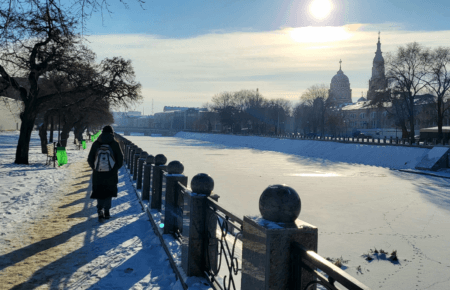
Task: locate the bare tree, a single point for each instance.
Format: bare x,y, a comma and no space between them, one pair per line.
316,98
53,50
438,83
35,44
225,104
10,10
406,73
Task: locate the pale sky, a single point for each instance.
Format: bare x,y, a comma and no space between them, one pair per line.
185,52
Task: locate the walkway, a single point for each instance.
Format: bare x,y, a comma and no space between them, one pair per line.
68,248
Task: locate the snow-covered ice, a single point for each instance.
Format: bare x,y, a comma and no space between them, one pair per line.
351,192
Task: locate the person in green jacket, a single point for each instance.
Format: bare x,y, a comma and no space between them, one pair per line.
105,159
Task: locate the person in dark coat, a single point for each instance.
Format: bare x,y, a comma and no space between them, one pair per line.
104,184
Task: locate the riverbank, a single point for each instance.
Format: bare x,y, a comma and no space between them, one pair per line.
393,157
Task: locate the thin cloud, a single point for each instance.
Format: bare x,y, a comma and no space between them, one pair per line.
280,63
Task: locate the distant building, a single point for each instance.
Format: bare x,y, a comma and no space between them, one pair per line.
133,113
178,118
362,116
340,92
132,119
378,81
170,109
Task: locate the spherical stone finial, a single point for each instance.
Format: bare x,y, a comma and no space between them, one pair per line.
160,159
280,203
202,183
175,167
143,154
150,159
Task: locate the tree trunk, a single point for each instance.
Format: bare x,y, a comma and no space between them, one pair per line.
51,129
26,128
440,120
43,136
404,131
411,120
75,134
80,133
65,133
411,126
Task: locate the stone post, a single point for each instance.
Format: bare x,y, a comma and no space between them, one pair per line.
141,161
122,143
390,140
378,140
157,181
126,153
150,160
133,171
169,197
267,254
384,140
396,140
194,239
130,153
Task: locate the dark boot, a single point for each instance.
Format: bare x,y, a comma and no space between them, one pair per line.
107,215
101,215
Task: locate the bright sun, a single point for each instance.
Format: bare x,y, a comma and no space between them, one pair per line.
320,8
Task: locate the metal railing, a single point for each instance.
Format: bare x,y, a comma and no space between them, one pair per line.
305,260
224,230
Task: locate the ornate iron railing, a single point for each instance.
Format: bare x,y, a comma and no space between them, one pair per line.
179,207
304,260
224,231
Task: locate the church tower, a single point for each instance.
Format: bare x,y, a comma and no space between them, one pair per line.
378,80
340,92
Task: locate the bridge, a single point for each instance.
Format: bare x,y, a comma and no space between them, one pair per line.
146,131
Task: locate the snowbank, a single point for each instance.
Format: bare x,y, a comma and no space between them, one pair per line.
25,190
394,157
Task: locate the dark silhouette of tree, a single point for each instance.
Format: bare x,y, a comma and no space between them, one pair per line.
316,100
438,83
407,72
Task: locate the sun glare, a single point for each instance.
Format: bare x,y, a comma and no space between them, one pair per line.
320,9
319,34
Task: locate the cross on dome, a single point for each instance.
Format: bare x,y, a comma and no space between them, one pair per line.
340,62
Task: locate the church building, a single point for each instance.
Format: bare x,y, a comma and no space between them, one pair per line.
340,92
361,115
378,81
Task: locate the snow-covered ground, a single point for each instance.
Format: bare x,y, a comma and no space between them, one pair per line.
51,239
351,192
26,189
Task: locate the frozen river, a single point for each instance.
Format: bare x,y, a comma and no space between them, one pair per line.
356,207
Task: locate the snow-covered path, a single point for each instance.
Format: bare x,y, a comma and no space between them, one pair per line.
55,241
